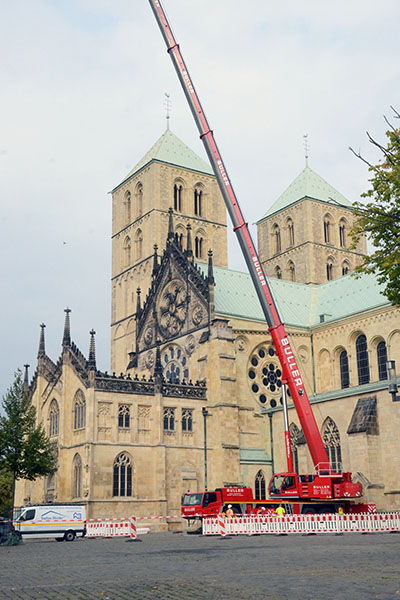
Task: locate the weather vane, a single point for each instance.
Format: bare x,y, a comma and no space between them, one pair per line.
167,106
306,147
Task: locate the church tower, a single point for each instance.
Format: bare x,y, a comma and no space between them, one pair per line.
170,175
304,236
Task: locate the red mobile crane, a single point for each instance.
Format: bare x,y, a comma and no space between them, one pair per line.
325,483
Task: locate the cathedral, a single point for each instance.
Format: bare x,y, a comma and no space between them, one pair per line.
193,396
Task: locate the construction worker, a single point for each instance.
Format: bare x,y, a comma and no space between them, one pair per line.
280,511
340,510
229,513
261,511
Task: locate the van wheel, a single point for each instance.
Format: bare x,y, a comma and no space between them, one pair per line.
59,539
69,536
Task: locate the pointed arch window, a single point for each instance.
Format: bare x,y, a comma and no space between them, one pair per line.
77,467
345,268
342,233
277,238
198,247
178,197
122,475
290,227
278,272
331,439
292,271
187,420
259,486
139,244
362,359
127,251
344,370
329,270
139,199
128,207
79,410
54,418
381,353
327,230
198,202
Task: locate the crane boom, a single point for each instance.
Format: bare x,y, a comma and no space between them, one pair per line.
290,370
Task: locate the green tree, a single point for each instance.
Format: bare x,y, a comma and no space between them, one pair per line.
379,218
25,450
6,481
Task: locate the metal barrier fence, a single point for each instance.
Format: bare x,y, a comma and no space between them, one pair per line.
111,527
303,524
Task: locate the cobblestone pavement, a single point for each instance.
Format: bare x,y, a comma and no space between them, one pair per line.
166,566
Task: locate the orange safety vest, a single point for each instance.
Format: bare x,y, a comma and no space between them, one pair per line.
230,513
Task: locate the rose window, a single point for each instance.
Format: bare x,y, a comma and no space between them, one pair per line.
265,375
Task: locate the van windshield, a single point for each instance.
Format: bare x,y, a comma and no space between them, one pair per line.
192,499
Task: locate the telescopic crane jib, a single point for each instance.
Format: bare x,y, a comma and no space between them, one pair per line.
290,370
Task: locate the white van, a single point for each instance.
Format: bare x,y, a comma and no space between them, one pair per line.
63,522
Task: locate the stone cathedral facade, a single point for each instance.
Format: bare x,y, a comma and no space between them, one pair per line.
191,351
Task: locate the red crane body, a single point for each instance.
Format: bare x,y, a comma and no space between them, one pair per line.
290,371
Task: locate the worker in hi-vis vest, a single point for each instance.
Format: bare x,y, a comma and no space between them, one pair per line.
280,511
229,513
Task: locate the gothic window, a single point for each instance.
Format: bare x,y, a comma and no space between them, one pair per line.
169,419
329,270
292,271
139,199
199,247
124,416
294,436
127,207
382,358
122,475
259,486
342,233
362,359
198,201
327,229
139,244
344,370
77,476
290,227
278,272
187,420
345,268
179,238
178,197
331,439
175,364
127,251
79,410
54,418
277,239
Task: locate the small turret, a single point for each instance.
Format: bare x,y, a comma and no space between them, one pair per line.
92,352
67,329
171,236
42,349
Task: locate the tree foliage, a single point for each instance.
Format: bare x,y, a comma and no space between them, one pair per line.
379,218
6,486
25,449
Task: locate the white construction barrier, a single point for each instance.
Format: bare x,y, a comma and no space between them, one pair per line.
303,524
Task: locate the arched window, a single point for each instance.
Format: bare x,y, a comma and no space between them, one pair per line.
77,476
139,200
259,486
327,229
344,369
342,233
329,270
294,436
79,410
198,247
292,271
127,251
128,207
362,359
381,353
277,236
278,272
54,418
345,268
122,475
187,420
178,197
198,201
331,439
139,244
290,227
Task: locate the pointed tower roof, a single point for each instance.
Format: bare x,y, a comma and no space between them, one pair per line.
171,150
307,184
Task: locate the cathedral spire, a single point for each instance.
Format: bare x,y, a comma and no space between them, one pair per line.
26,379
138,303
67,329
189,250
170,226
210,274
155,260
92,351
42,349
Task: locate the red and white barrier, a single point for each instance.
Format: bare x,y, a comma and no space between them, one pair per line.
303,524
132,528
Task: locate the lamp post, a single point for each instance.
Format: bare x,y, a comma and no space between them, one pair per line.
205,415
391,369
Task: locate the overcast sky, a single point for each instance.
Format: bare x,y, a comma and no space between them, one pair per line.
83,85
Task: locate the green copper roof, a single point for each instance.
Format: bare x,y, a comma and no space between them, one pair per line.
307,185
170,149
299,305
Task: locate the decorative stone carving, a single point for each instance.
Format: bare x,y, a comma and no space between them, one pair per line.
190,344
150,359
172,308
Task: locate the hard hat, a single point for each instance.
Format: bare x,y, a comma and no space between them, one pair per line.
229,505
263,508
